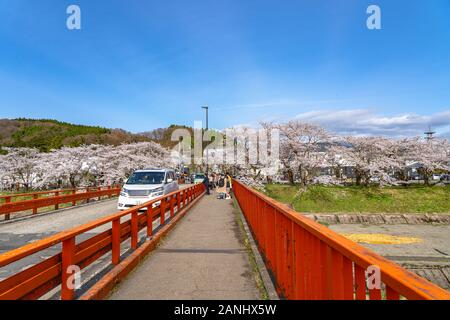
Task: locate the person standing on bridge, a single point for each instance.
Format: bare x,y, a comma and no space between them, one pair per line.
228,185
206,183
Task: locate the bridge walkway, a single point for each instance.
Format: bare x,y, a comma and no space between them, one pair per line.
202,258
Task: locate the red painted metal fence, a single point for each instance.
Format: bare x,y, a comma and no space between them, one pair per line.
54,198
310,261
52,272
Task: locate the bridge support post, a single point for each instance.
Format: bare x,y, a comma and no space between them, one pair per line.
150,221
162,213
116,241
172,206
360,283
68,256
134,230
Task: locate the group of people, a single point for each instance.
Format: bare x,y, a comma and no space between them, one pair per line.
220,182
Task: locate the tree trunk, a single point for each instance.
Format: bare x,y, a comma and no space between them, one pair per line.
426,179
290,176
358,179
426,175
72,182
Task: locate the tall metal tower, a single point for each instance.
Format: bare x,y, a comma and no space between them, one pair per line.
429,134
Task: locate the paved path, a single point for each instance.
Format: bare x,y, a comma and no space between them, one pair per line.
202,258
429,258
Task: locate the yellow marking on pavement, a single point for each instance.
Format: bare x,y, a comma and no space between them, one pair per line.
379,238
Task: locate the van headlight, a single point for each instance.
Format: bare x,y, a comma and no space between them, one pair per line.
124,192
157,192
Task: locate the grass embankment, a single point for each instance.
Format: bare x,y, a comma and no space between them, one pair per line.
355,199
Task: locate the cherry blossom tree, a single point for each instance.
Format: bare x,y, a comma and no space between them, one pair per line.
119,162
7,179
306,152
20,165
80,166
433,155
71,165
302,149
370,157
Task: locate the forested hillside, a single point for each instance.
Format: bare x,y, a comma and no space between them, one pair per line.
46,134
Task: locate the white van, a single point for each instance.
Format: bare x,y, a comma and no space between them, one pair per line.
145,185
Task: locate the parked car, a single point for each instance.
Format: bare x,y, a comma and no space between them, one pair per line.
145,185
199,177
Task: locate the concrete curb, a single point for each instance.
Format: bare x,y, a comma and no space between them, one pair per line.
263,272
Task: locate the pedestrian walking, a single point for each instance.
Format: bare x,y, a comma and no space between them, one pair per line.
228,185
206,184
222,187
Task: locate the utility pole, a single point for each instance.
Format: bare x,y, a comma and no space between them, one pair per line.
206,109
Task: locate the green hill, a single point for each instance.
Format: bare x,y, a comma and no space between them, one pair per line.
46,134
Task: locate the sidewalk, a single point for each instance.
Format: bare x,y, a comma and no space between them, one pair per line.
202,258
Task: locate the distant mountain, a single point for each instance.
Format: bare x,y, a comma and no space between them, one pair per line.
46,134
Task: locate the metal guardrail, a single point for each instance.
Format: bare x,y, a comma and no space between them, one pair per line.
310,261
46,275
52,198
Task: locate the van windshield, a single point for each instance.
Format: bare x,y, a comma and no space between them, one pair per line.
146,178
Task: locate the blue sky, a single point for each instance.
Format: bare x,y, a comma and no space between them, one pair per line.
140,65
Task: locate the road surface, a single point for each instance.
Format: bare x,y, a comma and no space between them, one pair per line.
17,233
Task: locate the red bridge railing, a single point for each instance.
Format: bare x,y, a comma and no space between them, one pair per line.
35,200
310,261
55,271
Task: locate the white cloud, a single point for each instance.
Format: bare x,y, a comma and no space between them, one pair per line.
367,122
